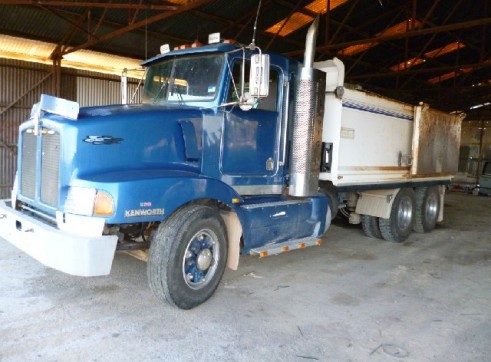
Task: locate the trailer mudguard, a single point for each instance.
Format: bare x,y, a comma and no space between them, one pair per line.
376,203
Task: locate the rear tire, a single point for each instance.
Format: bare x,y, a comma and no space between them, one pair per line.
427,209
188,256
401,220
370,225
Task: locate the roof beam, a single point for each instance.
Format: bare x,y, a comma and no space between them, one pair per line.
102,20
293,10
76,28
75,25
139,24
421,71
76,4
433,36
408,34
343,22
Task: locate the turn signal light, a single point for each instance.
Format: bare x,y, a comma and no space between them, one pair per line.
103,204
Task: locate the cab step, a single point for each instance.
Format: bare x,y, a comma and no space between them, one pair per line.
275,249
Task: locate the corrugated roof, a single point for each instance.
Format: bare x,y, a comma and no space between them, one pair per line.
355,30
39,52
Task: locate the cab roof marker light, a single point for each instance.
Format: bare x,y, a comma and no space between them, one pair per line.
165,48
214,38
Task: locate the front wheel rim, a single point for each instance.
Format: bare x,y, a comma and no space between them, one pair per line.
200,260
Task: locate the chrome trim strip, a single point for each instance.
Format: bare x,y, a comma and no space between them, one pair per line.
280,203
38,213
258,189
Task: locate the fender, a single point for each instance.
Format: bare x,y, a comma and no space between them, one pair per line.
153,195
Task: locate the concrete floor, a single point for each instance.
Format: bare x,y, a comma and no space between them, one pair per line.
351,299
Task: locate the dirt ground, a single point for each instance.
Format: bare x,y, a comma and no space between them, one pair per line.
351,299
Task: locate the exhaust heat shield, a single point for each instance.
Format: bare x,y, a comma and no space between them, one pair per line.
306,149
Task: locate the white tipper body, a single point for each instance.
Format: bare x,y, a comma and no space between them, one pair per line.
376,140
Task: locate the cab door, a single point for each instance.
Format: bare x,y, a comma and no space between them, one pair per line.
251,139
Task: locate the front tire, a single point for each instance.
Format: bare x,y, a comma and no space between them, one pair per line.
188,256
427,209
401,220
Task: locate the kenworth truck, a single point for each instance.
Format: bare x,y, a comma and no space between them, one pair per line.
232,151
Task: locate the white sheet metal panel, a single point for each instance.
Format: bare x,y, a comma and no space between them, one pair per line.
369,135
376,140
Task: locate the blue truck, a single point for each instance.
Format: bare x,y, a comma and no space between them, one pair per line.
225,156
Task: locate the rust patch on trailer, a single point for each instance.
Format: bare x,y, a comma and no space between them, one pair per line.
436,142
435,174
374,168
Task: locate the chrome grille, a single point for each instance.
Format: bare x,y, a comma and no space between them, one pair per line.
43,187
28,165
50,166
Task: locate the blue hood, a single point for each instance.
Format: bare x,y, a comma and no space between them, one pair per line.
129,137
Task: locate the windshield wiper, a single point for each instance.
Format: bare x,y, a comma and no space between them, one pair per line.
175,89
155,98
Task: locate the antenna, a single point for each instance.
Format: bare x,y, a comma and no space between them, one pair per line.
198,29
252,46
146,35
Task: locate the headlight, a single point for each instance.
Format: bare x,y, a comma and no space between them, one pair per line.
88,201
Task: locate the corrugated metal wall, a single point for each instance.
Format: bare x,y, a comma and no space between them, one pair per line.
97,91
18,82
21,85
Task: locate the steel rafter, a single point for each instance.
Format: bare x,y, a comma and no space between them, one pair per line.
85,4
139,24
76,28
433,36
414,33
292,11
422,71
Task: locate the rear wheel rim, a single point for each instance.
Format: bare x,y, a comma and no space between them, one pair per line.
200,260
431,207
405,213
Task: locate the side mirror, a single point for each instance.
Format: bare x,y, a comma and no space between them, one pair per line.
259,76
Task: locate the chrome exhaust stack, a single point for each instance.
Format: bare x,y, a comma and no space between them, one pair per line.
306,146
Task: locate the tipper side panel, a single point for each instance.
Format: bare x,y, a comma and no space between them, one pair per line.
374,136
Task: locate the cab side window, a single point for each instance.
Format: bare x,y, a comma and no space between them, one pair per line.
267,104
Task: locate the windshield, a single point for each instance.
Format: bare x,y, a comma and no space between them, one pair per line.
182,80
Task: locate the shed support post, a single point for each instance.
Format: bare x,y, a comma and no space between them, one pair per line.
57,75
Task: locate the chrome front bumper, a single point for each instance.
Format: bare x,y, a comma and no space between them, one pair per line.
72,247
